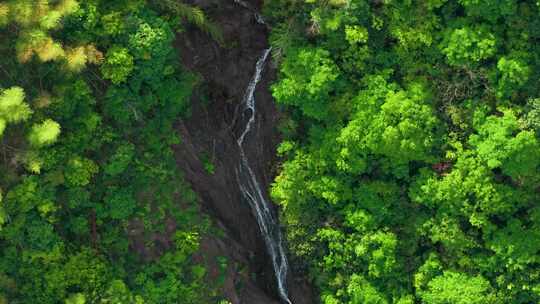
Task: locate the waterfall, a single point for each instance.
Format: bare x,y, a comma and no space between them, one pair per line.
252,192
245,5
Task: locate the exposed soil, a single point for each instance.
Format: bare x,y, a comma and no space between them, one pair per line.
209,136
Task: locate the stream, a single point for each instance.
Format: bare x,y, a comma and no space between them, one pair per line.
236,130
254,194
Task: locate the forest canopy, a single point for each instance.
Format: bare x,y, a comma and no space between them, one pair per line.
408,172
89,92
411,152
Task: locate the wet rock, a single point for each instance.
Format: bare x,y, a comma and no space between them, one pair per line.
211,131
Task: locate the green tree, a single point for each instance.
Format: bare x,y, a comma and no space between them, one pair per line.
119,293
308,78
35,23
118,64
514,74
458,288
411,171
76,298
44,134
397,125
65,224
13,109
501,144
79,171
468,46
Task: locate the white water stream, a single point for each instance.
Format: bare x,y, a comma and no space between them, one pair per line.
254,194
245,5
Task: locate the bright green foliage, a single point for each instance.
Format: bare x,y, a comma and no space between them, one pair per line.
76,298
80,224
150,40
398,125
501,144
466,46
513,75
356,34
44,134
13,109
516,246
118,64
113,24
417,181
413,24
79,171
2,126
458,288
309,76
361,291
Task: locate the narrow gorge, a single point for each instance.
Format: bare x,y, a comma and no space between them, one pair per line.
235,130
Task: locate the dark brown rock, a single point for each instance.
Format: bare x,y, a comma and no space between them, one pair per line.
212,130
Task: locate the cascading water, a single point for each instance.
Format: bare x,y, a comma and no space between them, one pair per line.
252,192
258,16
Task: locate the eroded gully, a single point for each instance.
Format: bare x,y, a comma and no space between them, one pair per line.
233,126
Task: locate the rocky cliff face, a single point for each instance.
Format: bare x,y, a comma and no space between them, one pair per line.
209,136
